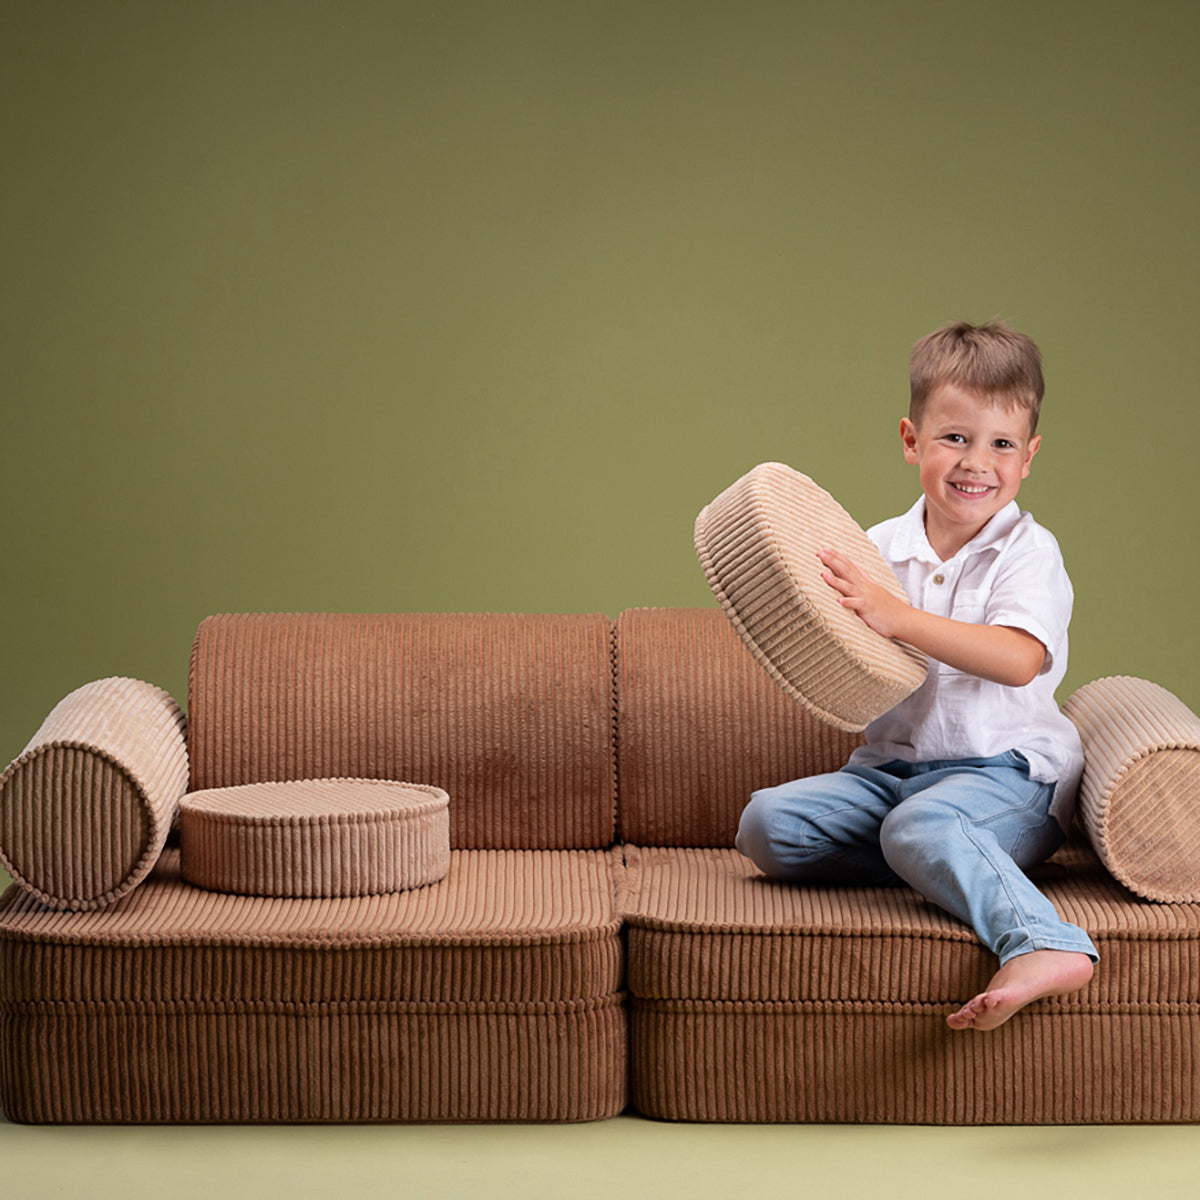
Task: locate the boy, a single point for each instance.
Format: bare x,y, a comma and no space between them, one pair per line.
972,778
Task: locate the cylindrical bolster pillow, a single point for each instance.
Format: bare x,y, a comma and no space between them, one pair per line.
315,837
758,543
86,808
1139,798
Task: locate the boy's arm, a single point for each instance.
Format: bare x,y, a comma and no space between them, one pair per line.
999,653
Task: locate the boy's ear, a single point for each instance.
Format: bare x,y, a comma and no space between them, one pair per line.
1035,444
908,435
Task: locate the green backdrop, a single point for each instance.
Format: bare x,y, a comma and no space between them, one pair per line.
405,306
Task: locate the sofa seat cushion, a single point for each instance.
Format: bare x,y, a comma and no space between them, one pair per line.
706,925
510,926
829,1004
493,994
315,837
758,543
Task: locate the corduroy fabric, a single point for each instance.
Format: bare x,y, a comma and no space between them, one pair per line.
1140,795
315,837
503,926
706,925
360,1061
757,1001
510,714
758,543
86,807
900,1064
701,725
493,994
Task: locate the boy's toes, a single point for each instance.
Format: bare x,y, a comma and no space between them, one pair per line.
965,1017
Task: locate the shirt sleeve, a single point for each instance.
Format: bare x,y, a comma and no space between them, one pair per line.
1032,591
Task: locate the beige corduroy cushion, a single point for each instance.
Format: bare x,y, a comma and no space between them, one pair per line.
86,808
758,543
1139,798
315,837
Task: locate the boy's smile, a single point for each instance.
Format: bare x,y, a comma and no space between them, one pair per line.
972,456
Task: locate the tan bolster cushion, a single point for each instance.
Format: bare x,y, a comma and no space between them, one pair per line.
86,808
758,543
1139,798
315,837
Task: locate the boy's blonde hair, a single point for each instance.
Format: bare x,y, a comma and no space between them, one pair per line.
993,360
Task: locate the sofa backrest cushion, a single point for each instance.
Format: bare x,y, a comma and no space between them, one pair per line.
510,714
700,725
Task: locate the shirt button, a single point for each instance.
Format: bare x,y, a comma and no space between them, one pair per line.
939,579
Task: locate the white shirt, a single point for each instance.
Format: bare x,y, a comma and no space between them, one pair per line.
1011,574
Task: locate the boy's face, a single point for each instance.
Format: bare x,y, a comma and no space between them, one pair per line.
972,456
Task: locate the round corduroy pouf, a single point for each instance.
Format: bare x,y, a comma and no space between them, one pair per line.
758,543
86,808
315,837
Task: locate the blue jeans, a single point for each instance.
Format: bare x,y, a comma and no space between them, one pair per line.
960,832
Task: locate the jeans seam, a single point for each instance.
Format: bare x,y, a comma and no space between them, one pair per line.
1012,900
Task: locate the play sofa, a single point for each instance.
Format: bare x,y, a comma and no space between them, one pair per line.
566,935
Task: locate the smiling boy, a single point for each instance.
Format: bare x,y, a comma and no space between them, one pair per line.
971,780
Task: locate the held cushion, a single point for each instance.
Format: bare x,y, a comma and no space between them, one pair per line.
86,808
758,543
315,837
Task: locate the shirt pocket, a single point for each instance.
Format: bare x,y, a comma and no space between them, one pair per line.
970,606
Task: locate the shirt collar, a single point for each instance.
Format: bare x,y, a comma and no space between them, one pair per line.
912,544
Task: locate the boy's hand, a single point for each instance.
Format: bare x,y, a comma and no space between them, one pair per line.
1000,653
882,611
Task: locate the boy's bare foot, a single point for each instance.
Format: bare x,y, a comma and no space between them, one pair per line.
1020,981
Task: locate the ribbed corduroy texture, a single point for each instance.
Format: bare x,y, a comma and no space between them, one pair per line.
705,925
758,543
754,1001
315,837
701,725
202,1063
900,1064
87,806
522,926
494,993
509,714
490,995
1140,795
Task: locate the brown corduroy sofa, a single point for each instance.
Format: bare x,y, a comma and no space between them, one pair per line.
595,943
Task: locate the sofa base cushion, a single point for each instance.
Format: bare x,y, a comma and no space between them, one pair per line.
900,1064
493,994
756,1001
164,1062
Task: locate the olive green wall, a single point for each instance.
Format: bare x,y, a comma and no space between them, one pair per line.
412,306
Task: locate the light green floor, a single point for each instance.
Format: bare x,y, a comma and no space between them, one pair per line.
617,1160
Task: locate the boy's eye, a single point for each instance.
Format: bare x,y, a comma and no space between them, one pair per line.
1003,444
954,437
